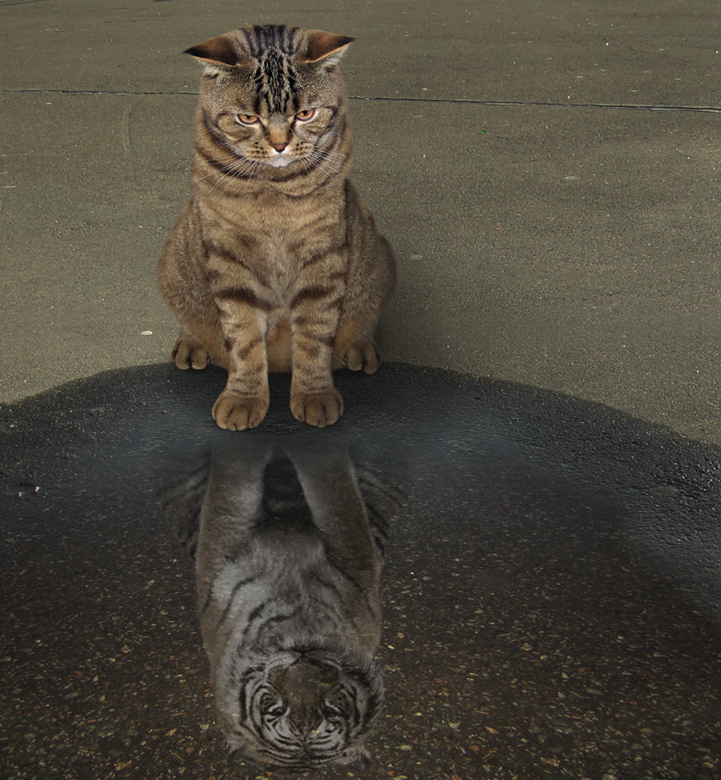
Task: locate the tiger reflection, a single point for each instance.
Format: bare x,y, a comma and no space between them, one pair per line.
288,541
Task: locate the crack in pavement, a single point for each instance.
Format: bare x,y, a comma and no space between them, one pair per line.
381,98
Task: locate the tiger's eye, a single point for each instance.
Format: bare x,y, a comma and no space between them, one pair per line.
278,709
304,116
247,119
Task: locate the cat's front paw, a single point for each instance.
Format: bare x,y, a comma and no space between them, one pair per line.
188,353
363,355
319,409
237,412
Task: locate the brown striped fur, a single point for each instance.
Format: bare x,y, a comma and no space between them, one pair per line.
275,264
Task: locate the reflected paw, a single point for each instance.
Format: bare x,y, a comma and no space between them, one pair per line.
188,353
363,355
319,409
238,412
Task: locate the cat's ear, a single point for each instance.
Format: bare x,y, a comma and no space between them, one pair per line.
326,47
217,53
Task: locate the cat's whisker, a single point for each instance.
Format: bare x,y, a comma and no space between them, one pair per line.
332,153
329,167
234,170
327,155
329,162
238,169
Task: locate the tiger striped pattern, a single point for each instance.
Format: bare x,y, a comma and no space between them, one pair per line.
288,540
275,263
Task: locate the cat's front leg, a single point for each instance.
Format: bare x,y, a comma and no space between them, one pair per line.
244,402
237,412
314,319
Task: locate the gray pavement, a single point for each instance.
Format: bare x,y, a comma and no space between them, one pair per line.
547,173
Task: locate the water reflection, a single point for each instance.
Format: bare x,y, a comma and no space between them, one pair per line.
288,536
551,594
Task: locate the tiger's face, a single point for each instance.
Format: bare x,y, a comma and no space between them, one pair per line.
305,714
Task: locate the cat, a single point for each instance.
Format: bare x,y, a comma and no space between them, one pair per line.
288,538
275,264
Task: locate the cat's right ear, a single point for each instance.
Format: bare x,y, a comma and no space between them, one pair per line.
217,54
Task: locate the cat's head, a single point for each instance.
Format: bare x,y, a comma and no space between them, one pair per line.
273,95
300,711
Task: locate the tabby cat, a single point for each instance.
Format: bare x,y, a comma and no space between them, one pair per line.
275,264
288,539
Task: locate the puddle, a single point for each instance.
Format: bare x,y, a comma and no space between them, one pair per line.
549,599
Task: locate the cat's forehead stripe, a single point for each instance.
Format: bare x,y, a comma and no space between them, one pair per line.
261,38
275,76
277,80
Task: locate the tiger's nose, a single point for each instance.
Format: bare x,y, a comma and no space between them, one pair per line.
279,147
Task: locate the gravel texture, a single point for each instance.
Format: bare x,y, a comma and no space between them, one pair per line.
551,593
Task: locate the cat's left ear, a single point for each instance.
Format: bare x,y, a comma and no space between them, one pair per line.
326,47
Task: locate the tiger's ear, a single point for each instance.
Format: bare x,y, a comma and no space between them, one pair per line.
326,47
357,756
217,53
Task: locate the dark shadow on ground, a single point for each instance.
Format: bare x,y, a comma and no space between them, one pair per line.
551,595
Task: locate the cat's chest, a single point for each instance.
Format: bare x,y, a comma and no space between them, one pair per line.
268,242
279,230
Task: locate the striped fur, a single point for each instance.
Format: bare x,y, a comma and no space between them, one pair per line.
288,539
275,264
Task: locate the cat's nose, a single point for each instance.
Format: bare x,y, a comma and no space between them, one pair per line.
279,147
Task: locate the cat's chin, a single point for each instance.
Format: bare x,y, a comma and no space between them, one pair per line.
280,161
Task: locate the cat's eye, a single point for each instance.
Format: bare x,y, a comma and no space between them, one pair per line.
305,116
247,119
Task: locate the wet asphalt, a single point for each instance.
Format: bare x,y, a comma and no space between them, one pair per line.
551,594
